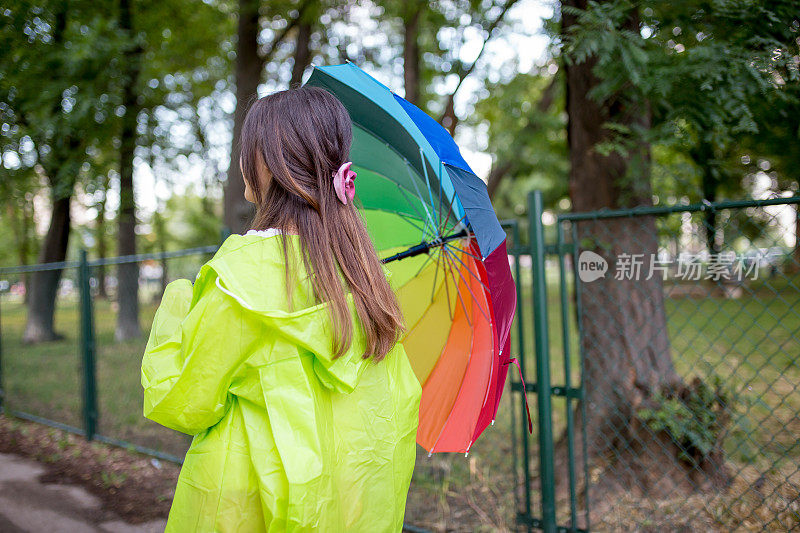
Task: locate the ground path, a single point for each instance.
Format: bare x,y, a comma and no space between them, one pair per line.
28,505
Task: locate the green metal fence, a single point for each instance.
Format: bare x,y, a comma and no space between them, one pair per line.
87,381
660,402
666,348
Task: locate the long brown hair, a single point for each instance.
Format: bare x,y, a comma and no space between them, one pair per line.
302,136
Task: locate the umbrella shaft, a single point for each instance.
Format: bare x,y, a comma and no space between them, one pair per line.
424,247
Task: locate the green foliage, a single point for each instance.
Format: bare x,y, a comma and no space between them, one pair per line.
57,88
184,221
712,73
531,140
695,419
699,63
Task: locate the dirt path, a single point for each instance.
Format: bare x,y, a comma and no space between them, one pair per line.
28,505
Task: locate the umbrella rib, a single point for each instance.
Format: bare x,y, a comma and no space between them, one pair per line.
457,222
441,193
447,288
406,218
427,259
458,292
477,278
404,190
466,282
450,211
453,247
408,199
436,275
447,420
471,273
428,183
419,195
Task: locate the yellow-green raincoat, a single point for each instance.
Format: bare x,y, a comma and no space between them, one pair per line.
286,438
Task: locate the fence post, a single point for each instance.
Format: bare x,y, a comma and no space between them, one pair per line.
2,390
543,390
87,349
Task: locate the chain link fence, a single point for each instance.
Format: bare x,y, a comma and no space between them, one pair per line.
687,320
56,394
87,379
669,354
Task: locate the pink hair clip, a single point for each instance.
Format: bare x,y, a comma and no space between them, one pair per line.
344,183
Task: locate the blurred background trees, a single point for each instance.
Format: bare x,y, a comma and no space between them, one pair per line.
119,120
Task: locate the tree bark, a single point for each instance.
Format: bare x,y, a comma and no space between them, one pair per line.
496,175
43,288
302,53
100,237
249,65
624,334
128,273
411,57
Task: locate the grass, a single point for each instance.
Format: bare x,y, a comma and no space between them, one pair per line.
56,393
751,342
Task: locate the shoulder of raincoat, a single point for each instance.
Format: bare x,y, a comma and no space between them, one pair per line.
287,437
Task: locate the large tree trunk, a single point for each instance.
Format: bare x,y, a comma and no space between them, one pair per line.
238,211
624,335
128,273
43,288
411,57
302,53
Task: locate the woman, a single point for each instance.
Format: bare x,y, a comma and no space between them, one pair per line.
283,359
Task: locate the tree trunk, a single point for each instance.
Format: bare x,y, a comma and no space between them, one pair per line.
703,157
496,175
302,53
449,119
795,265
128,273
100,236
161,243
624,334
411,58
42,290
44,284
249,65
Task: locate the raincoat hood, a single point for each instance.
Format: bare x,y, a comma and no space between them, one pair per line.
250,269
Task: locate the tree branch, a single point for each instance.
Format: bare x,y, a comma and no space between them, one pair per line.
500,170
465,72
292,23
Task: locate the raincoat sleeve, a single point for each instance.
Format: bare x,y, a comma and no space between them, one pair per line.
190,359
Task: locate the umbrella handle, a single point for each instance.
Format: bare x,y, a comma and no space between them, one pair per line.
524,392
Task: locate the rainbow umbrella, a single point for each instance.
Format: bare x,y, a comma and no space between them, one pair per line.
433,225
